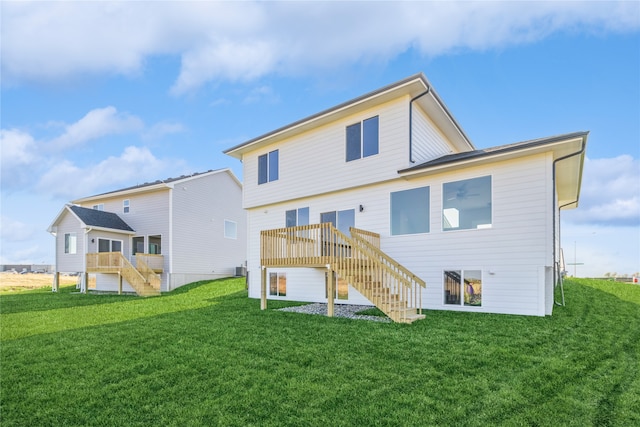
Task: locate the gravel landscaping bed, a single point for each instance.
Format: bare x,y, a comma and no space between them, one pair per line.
339,310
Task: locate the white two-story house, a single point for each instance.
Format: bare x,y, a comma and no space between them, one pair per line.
384,199
155,236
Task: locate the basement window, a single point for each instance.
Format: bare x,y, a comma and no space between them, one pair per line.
278,284
463,287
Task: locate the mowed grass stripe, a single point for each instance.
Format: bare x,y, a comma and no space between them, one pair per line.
222,361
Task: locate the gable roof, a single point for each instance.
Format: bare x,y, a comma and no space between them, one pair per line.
159,184
93,218
416,86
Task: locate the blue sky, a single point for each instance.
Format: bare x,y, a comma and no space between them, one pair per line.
100,96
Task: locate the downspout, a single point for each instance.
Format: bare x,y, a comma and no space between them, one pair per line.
411,122
577,153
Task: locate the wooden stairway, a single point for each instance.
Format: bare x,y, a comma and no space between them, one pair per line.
383,281
356,258
144,281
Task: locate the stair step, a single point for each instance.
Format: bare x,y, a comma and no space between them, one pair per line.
412,318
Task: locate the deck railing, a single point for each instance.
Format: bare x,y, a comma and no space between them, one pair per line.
153,261
386,283
115,262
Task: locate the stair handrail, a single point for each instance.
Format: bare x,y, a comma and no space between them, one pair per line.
402,284
356,234
147,273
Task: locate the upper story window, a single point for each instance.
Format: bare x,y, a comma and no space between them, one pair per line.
268,167
125,206
410,211
466,204
362,139
297,217
99,207
70,243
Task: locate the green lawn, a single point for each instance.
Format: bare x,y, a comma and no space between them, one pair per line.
206,355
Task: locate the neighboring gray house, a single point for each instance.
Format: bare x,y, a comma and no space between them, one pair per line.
156,236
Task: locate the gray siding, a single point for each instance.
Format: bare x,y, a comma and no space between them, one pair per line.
199,248
69,263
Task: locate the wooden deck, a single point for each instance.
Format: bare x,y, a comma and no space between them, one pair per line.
356,258
142,277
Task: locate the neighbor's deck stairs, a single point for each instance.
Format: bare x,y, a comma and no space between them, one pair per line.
356,258
142,278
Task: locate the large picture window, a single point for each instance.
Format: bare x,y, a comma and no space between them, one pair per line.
410,211
362,139
463,287
466,204
70,243
278,284
268,167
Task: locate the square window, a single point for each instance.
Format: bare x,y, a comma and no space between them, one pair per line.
463,287
466,204
410,211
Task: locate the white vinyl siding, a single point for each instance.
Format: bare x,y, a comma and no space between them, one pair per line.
428,142
512,255
67,262
314,162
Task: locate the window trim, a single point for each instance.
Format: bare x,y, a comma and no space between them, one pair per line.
442,208
391,234
362,130
271,161
70,248
110,244
278,275
235,225
297,212
462,291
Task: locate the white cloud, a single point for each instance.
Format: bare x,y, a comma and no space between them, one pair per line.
18,153
15,231
241,41
163,128
95,124
68,181
610,193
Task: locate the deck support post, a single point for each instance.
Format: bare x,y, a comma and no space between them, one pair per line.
263,288
331,292
119,283
85,278
56,282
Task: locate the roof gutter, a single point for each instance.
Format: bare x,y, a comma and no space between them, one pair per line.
555,162
411,122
